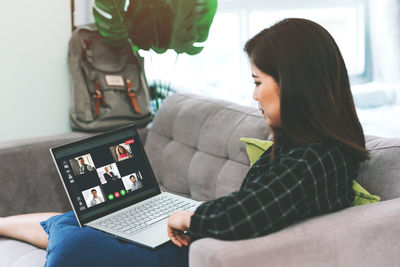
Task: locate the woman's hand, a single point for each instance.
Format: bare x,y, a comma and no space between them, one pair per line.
179,222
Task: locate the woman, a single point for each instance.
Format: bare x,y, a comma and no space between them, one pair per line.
303,91
122,153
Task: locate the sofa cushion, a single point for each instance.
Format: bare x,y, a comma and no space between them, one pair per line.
193,145
19,254
379,175
255,148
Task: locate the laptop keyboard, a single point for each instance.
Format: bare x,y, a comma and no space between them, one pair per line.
134,219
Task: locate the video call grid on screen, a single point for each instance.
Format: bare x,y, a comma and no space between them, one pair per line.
100,175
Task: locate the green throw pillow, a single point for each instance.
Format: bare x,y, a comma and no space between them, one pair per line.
256,147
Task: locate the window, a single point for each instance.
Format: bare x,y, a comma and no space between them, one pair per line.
222,70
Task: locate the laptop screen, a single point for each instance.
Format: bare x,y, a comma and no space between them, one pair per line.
105,173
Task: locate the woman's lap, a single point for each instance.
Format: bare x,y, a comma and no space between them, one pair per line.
70,245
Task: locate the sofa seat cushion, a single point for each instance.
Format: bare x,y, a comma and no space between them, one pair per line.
19,254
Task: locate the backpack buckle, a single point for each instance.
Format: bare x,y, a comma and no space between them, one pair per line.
132,97
98,99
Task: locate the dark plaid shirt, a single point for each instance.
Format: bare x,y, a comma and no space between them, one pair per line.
300,182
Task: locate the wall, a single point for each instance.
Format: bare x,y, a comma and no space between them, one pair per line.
34,86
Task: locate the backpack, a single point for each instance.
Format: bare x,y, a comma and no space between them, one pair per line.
109,88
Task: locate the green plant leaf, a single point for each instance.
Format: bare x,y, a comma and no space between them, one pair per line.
192,23
112,21
151,24
155,24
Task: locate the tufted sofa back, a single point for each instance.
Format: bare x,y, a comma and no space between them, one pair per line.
380,175
193,146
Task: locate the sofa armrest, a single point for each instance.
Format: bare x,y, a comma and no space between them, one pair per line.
367,235
28,176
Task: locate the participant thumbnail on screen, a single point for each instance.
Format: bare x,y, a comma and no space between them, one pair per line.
133,181
108,173
93,196
121,152
82,164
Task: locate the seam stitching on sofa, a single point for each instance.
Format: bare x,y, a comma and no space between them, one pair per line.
187,96
233,131
226,162
197,150
227,153
169,99
216,179
175,118
205,120
199,98
201,127
226,107
382,148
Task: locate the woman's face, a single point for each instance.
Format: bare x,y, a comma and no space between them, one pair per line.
266,93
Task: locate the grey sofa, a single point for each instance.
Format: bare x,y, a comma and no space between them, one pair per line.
194,148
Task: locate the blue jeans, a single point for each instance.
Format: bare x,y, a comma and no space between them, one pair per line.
70,245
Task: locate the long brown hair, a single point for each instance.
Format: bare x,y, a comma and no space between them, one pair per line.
315,97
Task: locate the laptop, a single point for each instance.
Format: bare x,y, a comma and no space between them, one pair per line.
112,188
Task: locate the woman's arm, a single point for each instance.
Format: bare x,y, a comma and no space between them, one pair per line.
26,227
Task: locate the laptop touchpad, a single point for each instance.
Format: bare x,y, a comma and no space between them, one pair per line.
154,235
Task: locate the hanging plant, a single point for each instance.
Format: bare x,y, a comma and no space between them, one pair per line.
155,24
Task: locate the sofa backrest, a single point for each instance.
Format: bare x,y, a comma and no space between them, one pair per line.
193,146
380,175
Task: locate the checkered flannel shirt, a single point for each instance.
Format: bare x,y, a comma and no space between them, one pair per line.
300,182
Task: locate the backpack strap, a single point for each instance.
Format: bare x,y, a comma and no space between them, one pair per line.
98,99
132,96
85,46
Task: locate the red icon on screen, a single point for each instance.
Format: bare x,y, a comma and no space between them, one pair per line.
128,142
116,194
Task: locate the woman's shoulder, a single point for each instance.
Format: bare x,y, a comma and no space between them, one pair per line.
317,161
315,147
316,152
